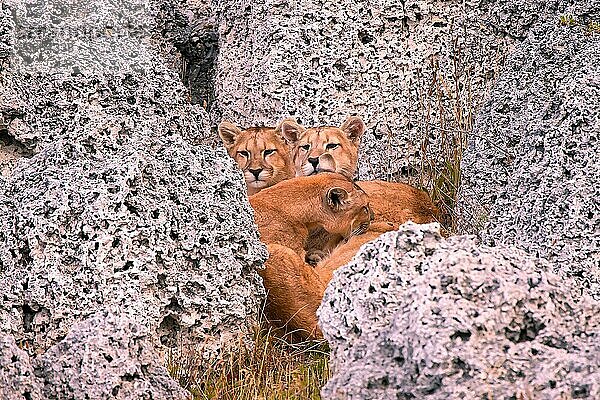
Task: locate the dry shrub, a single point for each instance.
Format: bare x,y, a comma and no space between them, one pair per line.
271,368
446,108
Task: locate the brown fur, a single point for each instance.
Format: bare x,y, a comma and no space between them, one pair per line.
395,204
262,150
294,293
344,252
391,202
311,144
398,202
284,214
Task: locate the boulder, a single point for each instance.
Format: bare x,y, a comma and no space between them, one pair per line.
106,356
115,206
17,380
418,316
531,174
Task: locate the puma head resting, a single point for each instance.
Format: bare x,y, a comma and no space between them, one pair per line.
287,211
309,146
260,152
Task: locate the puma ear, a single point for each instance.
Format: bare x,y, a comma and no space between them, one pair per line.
290,130
228,133
353,127
336,198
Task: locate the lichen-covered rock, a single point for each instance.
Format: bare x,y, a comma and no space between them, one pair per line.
116,206
383,60
17,380
417,316
531,174
106,357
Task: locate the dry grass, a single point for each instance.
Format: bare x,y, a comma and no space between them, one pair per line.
270,369
446,110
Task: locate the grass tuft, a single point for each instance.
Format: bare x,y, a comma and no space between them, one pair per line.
567,20
593,27
271,369
446,110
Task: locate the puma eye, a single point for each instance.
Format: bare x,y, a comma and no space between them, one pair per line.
269,151
305,147
331,146
244,153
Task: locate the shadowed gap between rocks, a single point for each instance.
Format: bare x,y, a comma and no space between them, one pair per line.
10,149
197,40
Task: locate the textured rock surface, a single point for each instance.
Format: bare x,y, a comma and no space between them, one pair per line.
531,175
191,26
10,153
17,381
322,61
416,316
116,207
105,357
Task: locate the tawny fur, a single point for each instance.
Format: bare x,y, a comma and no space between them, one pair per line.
287,211
259,149
344,252
294,293
398,202
336,149
313,143
284,214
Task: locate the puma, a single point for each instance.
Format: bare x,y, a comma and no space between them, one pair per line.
309,145
260,152
284,214
344,252
294,292
326,148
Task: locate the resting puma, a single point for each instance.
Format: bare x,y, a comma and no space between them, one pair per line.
261,154
295,291
336,149
315,150
284,214
309,145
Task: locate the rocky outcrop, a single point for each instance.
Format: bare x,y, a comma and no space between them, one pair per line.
104,357
17,381
531,175
417,316
116,207
396,64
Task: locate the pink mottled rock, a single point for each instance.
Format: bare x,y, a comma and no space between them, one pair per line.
415,316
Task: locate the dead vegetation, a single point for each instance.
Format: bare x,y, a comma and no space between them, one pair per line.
269,369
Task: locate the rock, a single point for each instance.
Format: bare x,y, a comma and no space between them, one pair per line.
383,60
17,381
417,316
116,206
191,26
106,356
531,175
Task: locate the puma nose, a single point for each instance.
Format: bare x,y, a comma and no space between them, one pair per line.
255,172
314,161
